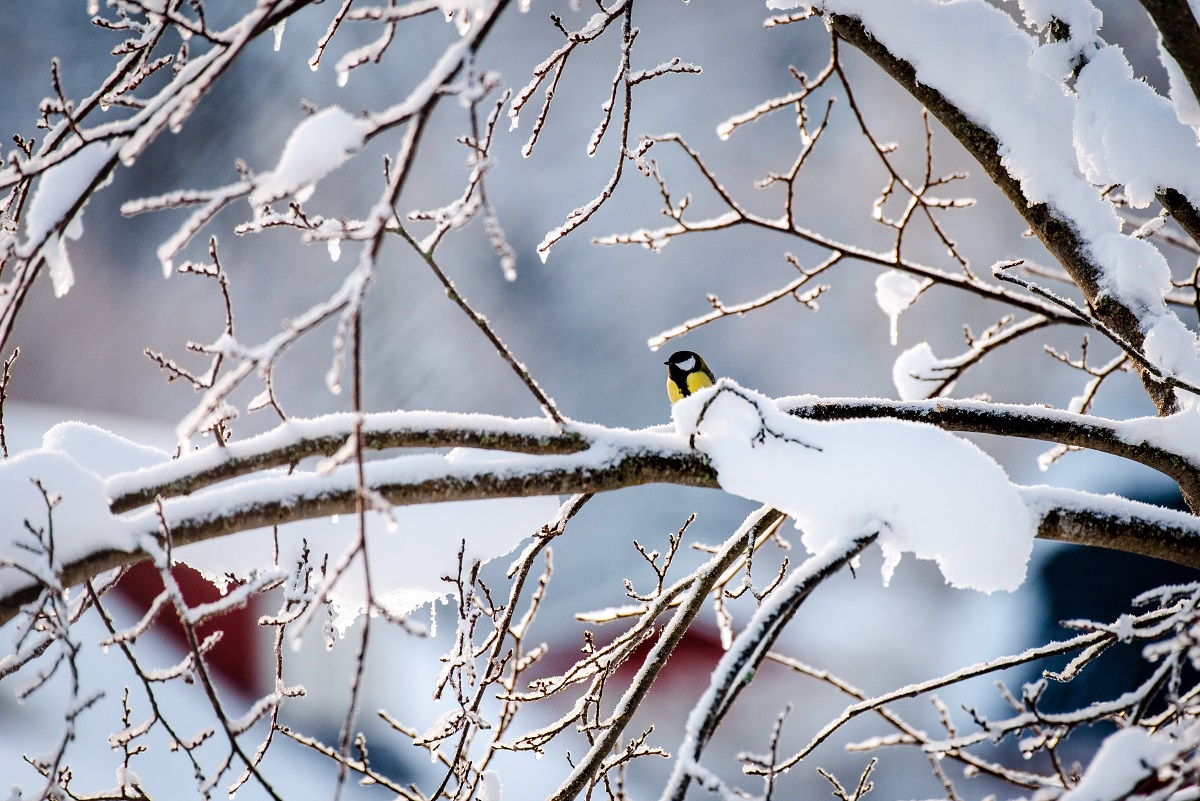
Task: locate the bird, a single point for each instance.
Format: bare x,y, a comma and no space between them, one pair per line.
686,373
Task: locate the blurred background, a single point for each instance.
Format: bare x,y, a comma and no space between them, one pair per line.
580,322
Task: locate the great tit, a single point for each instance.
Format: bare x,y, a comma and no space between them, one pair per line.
686,373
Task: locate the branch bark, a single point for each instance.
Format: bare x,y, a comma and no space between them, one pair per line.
1139,528
1027,422
296,440
1180,36
277,500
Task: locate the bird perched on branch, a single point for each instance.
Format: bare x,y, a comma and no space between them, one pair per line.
686,373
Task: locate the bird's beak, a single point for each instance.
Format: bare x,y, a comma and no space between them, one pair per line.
667,362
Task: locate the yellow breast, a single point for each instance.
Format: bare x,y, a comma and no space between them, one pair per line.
698,380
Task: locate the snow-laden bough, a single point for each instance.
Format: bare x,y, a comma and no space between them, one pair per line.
922,490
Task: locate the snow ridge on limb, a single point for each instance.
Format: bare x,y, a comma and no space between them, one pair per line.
748,650
917,487
1157,442
553,465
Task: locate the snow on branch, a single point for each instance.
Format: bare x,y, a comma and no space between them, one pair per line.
1152,441
730,438
738,215
916,487
1008,108
298,438
74,160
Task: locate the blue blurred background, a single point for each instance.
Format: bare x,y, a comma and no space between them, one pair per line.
581,321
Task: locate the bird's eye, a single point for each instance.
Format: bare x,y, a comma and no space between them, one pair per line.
688,364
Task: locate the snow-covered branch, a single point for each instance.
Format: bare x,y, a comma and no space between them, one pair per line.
298,439
359,519
1075,232
542,460
1152,441
744,656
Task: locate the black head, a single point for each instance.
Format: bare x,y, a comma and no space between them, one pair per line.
684,360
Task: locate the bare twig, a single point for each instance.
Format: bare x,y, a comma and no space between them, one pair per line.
5,378
544,400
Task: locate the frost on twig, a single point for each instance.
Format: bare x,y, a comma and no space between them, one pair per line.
620,94
807,298
406,477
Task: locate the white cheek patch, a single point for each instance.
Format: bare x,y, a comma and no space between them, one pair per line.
688,364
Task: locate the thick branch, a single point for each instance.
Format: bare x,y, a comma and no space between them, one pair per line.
1182,210
1181,39
1055,231
290,498
297,439
1122,525
1180,36
1065,516
1028,422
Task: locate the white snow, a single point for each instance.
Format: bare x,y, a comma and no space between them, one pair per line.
1058,59
59,189
491,789
1079,15
100,451
1178,433
925,491
1183,100
1124,759
1170,345
915,372
317,146
70,464
1125,133
62,185
895,291
78,525
984,62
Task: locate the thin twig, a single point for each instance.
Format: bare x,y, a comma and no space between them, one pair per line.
544,400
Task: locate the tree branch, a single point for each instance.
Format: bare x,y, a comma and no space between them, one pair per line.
299,439
706,578
738,665
1108,522
1011,420
1055,231
1180,36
